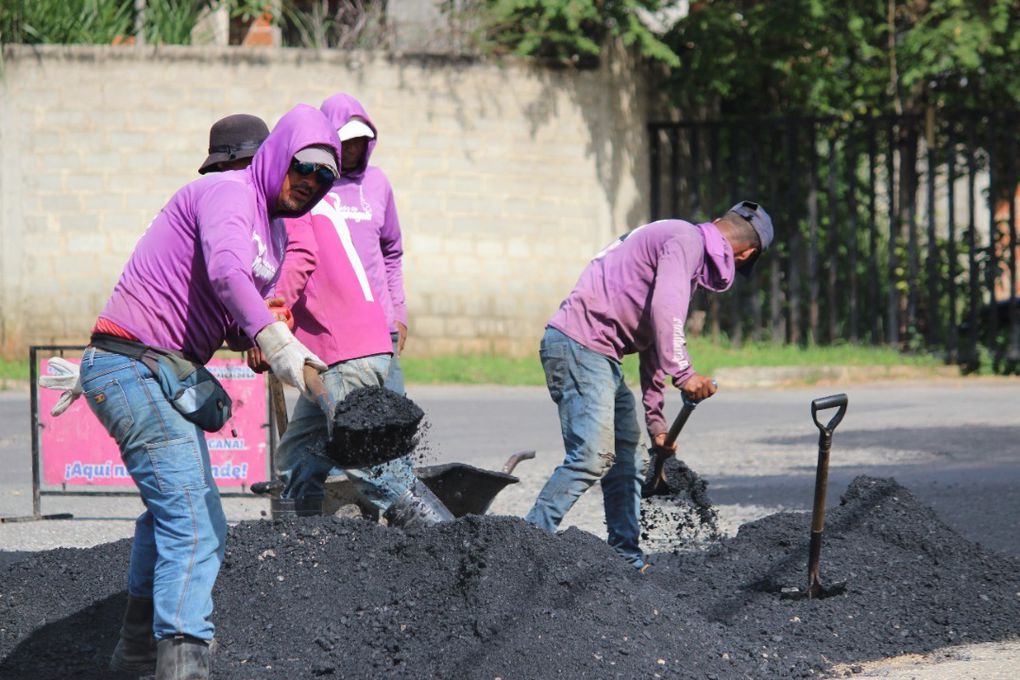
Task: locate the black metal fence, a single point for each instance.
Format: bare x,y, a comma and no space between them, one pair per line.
897,230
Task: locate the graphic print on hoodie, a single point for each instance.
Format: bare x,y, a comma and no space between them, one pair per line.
204,263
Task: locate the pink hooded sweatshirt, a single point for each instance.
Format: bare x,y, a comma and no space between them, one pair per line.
366,203
200,272
633,297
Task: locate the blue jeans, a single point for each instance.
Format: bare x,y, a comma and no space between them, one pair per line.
179,539
305,471
600,434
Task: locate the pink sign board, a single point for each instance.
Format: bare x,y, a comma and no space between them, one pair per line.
76,450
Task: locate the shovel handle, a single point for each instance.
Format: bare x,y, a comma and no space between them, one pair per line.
825,403
313,381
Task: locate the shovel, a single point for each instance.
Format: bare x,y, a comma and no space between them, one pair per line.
655,484
815,589
321,396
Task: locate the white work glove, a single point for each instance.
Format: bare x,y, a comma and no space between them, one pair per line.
65,376
285,355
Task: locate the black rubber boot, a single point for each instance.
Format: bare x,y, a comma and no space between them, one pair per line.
136,650
182,657
417,506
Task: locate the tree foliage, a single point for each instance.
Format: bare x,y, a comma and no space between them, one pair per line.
847,56
568,32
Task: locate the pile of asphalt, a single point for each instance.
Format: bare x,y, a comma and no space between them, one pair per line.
373,425
494,597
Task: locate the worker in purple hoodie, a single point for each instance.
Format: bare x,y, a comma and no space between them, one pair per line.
633,297
200,271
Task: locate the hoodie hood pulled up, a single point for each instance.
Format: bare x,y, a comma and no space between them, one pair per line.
302,126
720,267
339,109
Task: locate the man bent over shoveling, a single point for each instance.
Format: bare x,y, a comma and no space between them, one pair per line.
633,297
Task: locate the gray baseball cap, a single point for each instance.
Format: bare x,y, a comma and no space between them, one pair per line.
762,223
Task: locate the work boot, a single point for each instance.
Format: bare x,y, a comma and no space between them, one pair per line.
182,657
417,506
136,650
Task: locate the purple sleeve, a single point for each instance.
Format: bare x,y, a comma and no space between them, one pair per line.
225,227
236,339
392,248
652,385
668,354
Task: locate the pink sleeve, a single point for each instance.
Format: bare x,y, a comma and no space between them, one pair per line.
299,261
224,227
393,252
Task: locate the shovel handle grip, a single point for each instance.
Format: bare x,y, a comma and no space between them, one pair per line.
825,403
313,381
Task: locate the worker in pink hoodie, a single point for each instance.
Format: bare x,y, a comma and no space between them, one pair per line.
365,201
342,280
633,298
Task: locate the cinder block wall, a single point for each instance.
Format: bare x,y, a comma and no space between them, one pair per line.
508,177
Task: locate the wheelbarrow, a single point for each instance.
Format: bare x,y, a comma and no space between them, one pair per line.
464,489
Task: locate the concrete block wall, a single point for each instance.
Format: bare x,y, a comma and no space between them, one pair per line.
508,177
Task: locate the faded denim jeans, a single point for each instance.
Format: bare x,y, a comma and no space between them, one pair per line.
600,434
179,539
299,462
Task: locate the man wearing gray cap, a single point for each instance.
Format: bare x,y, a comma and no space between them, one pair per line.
633,298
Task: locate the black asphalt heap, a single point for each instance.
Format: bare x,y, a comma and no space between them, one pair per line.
373,425
495,597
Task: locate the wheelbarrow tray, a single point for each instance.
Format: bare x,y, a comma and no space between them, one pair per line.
464,489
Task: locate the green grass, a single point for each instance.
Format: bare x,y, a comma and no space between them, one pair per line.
706,355
13,370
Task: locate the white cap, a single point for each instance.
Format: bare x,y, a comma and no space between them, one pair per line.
320,155
355,128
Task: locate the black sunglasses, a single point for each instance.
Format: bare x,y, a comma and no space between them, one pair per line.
322,172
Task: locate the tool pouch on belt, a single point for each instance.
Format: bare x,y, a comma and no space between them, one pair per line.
189,387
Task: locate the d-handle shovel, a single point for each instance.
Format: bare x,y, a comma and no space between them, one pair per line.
656,485
815,589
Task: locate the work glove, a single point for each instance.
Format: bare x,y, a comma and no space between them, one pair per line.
285,355
281,312
64,376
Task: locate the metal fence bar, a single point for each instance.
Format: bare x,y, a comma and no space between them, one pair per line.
892,330
952,331
833,241
873,233
931,334
850,164
1011,129
972,262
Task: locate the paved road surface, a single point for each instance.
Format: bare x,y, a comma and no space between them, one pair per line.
954,443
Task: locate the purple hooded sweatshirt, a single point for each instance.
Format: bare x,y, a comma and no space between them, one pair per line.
634,297
366,204
202,267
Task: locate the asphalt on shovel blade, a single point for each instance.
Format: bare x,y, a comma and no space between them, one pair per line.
373,425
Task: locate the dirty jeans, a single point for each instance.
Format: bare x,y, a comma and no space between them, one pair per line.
298,459
600,434
179,539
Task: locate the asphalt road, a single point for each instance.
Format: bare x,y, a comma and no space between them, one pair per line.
954,443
